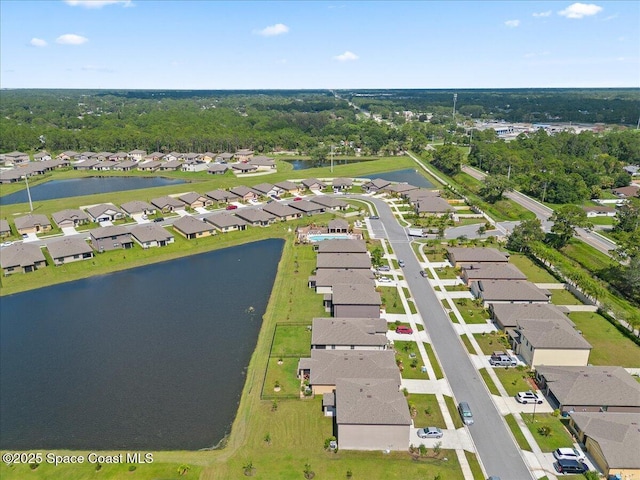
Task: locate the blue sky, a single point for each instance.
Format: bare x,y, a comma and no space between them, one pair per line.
151,44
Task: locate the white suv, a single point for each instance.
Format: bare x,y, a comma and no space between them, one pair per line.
568,454
528,397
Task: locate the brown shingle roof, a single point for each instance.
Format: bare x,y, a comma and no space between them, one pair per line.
370,401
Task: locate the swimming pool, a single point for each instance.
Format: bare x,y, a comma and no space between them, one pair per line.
331,236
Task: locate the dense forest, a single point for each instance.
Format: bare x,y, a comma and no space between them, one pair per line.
613,106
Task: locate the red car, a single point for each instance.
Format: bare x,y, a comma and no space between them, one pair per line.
404,329
231,207
297,199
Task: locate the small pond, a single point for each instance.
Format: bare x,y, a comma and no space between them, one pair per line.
409,175
75,187
305,164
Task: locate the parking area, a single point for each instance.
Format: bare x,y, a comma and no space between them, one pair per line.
451,439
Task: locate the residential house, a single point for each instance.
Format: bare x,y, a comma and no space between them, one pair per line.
612,441
195,200
342,246
313,184
138,207
349,334
171,166
32,223
13,175
106,212
16,158
118,157
244,194
72,217
324,279
506,315
399,189
281,211
137,155
87,164
266,189
171,157
307,208
627,192
243,168
599,211
21,258
224,157
243,155
149,166
153,157
167,204
289,187
263,163
102,156
255,216
472,272
354,301
217,169
113,237
549,342
413,196
325,367
221,196
461,255
5,229
589,388
192,228
125,165
375,185
105,165
226,222
509,291
69,249
432,206
150,235
329,203
371,414
68,155
356,261
197,165
341,184
338,226
42,156
208,157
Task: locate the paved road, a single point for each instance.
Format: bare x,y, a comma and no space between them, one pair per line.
496,447
543,213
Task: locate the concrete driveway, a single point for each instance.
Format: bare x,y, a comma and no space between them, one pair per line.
451,439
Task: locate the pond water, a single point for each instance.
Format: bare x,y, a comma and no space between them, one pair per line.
305,164
150,358
409,175
75,187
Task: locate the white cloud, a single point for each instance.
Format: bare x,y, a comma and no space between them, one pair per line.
346,57
512,23
97,3
542,14
272,30
610,17
71,39
38,42
580,10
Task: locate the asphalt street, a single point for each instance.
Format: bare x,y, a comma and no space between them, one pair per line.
495,445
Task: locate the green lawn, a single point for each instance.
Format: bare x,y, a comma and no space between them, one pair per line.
391,299
286,376
471,313
564,297
433,361
453,411
404,350
491,342
587,256
533,272
291,340
489,382
429,414
467,344
558,437
447,273
474,464
513,379
517,433
610,347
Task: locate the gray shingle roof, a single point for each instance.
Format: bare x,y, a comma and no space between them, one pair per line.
310,182
329,202
494,271
510,290
98,210
136,206
370,401
287,186
552,334
400,188
31,220
191,197
254,215
4,226
69,246
342,182
263,188
343,260
432,205
150,232
190,225
327,277
342,246
592,385
617,434
477,255
242,190
355,295
69,215
221,195
507,314
307,207
166,201
281,210
329,365
110,231
349,331
20,255
224,220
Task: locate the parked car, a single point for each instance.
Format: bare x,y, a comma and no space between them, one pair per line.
528,397
430,432
384,268
404,329
158,219
6,244
503,361
297,199
423,273
465,413
384,280
401,263
571,466
374,217
231,207
568,454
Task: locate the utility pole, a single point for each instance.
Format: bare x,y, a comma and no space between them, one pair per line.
28,192
455,99
331,158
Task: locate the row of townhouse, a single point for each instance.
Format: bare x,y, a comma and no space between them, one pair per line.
602,402
350,363
425,202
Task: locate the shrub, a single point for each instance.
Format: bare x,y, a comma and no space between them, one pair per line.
544,431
